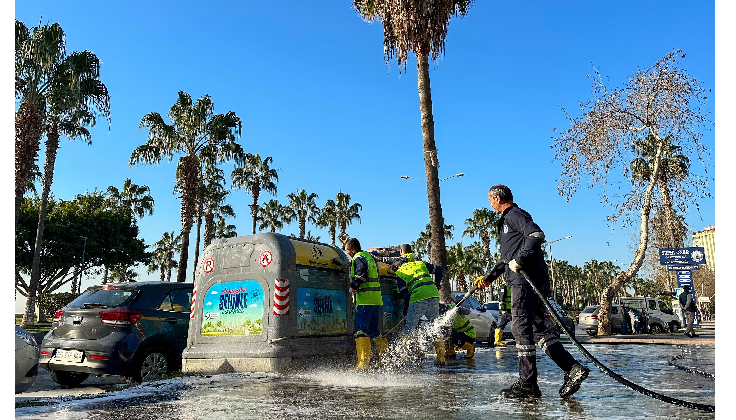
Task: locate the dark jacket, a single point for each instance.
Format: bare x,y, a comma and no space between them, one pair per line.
521,239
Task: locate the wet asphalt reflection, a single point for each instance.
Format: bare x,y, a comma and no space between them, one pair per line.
460,390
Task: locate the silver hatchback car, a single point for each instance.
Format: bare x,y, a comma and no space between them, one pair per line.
588,320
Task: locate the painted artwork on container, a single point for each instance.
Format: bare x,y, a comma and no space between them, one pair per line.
321,312
233,308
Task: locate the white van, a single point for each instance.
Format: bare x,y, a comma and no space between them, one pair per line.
661,317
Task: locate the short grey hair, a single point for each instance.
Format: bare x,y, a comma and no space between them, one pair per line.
502,192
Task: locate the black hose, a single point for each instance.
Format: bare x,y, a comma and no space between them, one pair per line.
609,372
689,369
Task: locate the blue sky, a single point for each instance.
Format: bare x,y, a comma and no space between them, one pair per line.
309,81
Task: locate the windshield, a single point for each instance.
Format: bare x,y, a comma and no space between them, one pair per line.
103,298
589,309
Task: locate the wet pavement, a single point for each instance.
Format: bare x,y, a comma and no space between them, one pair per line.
460,390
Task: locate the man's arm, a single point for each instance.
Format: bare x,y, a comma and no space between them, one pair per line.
437,271
360,273
533,236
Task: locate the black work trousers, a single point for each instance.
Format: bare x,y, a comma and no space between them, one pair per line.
527,326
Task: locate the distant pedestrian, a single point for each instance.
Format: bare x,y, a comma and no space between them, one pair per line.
688,308
624,320
635,318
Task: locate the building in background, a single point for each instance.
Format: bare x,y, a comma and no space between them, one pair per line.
706,238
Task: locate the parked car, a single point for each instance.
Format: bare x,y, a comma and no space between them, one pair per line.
136,330
588,320
565,318
26,360
483,322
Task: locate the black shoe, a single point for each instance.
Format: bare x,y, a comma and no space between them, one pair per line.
573,379
521,390
688,335
693,335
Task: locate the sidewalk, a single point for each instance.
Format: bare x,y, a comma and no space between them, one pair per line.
706,335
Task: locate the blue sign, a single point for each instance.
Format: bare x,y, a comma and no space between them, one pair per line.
685,277
678,267
693,255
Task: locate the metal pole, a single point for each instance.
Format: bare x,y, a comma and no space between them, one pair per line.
552,263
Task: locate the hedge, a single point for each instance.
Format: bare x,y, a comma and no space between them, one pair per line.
49,303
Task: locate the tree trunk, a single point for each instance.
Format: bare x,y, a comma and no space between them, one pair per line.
302,227
431,164
190,187
332,235
209,228
52,146
606,296
181,274
104,274
28,133
254,214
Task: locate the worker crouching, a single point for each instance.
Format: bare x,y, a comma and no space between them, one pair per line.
462,333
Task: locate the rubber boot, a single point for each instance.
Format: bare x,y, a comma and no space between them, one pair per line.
363,347
439,348
470,349
382,349
450,350
499,335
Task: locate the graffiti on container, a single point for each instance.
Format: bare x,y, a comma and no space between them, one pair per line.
321,311
233,308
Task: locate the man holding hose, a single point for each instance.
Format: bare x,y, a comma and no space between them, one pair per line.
520,243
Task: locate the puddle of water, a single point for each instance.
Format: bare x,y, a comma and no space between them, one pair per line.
460,390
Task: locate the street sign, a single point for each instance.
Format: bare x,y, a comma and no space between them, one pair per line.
693,255
685,277
678,267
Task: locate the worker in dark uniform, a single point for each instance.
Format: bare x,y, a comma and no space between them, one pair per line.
365,285
504,308
520,244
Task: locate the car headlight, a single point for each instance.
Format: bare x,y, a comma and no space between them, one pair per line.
27,338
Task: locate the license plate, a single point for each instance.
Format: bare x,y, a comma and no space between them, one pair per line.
69,355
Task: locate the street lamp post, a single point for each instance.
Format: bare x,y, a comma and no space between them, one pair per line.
552,265
81,271
421,180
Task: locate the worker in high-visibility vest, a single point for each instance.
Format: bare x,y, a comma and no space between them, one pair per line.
462,334
365,286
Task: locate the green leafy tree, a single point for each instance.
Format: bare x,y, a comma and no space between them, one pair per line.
224,230
164,251
255,176
419,27
425,238
203,138
112,239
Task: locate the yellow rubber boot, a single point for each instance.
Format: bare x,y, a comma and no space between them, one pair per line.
381,348
450,350
439,348
470,349
363,347
499,334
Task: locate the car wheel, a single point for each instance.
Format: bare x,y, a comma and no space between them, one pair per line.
674,326
592,333
655,329
68,379
152,366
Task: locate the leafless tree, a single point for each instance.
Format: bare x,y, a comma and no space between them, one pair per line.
662,104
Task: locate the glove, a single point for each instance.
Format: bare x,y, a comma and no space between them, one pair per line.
479,283
514,266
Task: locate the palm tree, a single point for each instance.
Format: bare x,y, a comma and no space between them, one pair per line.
420,27
304,207
425,238
328,219
673,167
164,251
255,176
345,212
73,100
203,138
38,55
461,263
223,230
136,199
484,223
272,215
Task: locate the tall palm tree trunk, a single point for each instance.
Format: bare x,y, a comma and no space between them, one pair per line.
254,214
28,132
209,227
190,187
302,227
431,164
52,146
